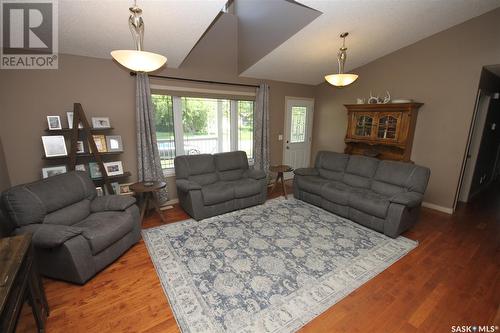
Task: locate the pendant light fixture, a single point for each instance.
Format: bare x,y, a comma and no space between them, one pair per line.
138,60
341,79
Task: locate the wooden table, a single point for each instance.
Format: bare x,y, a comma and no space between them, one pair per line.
20,281
149,191
280,169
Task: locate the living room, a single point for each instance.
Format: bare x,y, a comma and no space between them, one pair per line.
213,169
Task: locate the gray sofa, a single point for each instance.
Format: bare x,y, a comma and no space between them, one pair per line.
209,185
382,195
75,233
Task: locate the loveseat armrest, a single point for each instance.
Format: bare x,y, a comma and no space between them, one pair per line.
306,172
255,174
408,199
49,236
111,203
185,185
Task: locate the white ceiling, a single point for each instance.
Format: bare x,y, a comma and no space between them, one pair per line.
376,27
172,27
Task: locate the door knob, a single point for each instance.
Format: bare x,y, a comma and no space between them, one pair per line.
287,147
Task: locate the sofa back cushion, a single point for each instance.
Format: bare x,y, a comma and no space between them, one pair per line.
331,165
197,168
393,177
360,170
30,203
231,165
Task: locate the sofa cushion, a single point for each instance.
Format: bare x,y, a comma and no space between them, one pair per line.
197,168
231,165
360,170
331,165
337,192
392,177
69,215
246,187
216,193
29,203
311,184
103,229
369,202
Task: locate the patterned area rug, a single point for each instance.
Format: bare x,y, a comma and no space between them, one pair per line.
269,268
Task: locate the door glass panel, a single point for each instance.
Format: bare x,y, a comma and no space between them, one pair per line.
387,127
298,124
363,126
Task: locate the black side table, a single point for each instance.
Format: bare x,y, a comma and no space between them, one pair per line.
20,281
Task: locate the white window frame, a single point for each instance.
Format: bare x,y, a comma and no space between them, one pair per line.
179,130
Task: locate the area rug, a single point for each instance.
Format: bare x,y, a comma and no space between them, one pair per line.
269,268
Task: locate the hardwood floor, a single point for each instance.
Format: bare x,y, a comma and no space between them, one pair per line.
451,278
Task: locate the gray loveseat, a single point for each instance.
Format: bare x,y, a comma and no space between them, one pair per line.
75,233
382,195
209,185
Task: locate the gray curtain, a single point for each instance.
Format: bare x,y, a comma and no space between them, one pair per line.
148,157
261,128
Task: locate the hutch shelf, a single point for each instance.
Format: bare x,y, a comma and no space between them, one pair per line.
384,131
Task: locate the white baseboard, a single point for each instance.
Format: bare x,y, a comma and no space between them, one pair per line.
442,209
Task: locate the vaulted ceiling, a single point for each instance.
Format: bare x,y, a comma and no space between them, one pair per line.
96,27
285,40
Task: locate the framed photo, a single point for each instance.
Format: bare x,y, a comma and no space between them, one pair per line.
114,143
100,191
114,168
100,122
81,167
100,142
116,187
69,115
125,189
52,171
54,145
54,122
94,170
80,147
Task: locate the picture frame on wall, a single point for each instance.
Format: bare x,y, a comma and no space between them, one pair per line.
80,147
114,168
101,122
100,142
53,170
54,145
69,116
114,143
94,170
54,123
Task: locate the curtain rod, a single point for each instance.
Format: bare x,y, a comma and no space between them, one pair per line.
200,81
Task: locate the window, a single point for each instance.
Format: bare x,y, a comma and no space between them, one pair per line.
193,125
298,127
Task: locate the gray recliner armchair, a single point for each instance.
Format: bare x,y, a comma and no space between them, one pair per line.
75,233
209,185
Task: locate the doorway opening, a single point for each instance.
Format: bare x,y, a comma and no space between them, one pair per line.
481,165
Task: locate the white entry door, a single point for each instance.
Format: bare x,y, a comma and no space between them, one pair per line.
298,133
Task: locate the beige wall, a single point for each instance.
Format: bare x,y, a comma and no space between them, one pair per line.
103,89
442,72
4,174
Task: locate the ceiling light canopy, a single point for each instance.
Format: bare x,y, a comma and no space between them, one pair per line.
138,60
341,79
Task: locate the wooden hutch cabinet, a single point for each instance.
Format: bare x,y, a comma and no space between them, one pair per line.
384,131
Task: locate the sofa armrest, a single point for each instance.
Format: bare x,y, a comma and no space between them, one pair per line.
408,199
306,172
111,203
185,185
49,236
255,174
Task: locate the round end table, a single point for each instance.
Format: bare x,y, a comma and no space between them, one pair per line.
280,169
149,191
